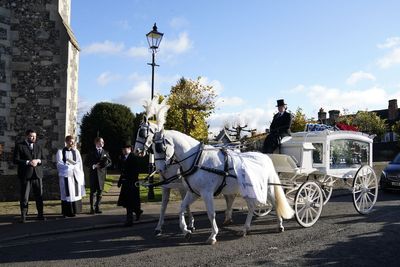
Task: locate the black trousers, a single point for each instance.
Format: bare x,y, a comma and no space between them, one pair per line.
271,143
37,187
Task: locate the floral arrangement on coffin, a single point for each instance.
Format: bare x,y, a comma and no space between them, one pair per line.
346,127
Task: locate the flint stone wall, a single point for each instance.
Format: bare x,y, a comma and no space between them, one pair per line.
39,59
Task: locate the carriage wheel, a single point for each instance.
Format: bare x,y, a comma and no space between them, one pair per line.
262,210
308,204
365,189
327,187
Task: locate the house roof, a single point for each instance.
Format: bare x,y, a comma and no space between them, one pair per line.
224,135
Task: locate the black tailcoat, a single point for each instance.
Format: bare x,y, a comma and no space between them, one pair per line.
98,175
279,128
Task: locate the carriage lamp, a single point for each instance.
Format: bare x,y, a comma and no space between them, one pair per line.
154,38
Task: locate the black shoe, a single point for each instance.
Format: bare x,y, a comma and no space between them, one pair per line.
40,218
138,214
91,211
98,211
23,219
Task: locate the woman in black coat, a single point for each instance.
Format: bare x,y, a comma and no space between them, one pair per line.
129,196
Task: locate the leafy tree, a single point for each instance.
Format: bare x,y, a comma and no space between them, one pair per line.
369,122
113,122
298,121
396,128
191,103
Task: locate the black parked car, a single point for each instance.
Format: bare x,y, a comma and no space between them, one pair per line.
390,177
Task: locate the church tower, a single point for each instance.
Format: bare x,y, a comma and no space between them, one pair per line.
39,60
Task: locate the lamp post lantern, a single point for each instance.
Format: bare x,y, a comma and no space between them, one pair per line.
154,38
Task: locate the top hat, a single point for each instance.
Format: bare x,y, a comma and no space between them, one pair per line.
280,102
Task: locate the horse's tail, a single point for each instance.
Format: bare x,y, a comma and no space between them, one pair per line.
283,209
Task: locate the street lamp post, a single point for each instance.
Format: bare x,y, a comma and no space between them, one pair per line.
154,39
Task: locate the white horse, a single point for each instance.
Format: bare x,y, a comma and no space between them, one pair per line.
207,170
143,143
144,139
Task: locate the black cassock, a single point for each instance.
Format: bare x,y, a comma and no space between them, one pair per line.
129,196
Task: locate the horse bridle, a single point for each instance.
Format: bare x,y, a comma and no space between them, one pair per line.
160,146
144,132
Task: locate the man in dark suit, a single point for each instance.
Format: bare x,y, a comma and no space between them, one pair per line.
129,196
97,161
28,155
279,128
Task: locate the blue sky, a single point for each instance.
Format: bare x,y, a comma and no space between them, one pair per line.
341,55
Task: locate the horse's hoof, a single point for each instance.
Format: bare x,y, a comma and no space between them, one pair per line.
191,229
227,222
157,233
281,229
211,241
188,236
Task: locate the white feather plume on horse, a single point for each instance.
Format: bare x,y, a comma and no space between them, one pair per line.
151,106
161,113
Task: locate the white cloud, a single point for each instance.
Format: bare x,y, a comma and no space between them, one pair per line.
229,101
138,52
83,107
255,118
355,77
168,48
107,77
106,47
390,43
135,97
389,60
178,22
217,85
298,89
176,46
123,24
332,98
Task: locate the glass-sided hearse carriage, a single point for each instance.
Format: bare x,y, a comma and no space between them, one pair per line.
310,163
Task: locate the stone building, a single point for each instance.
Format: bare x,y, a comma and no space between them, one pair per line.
39,60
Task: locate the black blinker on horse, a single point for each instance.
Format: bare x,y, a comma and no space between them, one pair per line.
143,132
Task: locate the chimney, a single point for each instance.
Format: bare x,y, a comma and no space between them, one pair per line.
322,116
393,110
333,116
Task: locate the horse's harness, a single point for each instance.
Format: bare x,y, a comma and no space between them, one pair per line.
143,132
160,147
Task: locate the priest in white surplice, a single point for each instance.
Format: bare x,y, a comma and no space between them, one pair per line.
71,178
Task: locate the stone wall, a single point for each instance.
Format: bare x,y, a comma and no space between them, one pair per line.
38,78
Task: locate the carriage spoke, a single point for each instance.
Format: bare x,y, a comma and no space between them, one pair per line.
357,192
358,198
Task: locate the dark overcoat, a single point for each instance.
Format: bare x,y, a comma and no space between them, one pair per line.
129,196
22,154
98,175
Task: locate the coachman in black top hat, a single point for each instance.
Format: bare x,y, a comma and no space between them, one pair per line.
279,128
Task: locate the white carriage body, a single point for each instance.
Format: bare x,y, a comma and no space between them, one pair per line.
335,153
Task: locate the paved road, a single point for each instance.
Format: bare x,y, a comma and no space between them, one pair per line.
340,238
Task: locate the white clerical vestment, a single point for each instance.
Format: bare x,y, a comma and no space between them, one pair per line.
70,172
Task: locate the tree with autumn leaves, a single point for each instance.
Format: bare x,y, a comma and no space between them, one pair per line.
191,103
